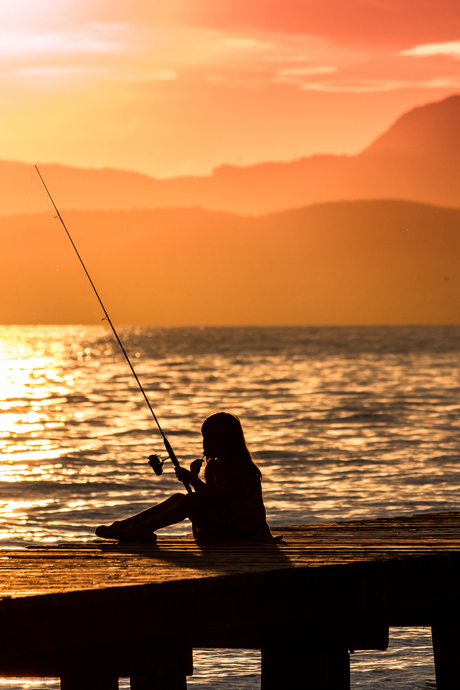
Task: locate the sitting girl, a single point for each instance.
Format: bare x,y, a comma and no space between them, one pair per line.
227,505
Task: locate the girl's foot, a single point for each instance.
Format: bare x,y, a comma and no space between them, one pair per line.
137,534
125,535
106,532
111,531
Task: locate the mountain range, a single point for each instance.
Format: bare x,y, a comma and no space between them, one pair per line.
357,262
365,239
417,159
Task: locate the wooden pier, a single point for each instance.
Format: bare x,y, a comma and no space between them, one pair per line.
92,613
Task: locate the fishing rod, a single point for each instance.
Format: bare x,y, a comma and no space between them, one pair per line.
155,462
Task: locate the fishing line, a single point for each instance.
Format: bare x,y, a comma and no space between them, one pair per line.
155,463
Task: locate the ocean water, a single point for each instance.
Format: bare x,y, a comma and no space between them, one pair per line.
344,423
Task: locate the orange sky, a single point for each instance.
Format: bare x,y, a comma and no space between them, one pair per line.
174,87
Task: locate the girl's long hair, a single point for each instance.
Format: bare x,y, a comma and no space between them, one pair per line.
229,428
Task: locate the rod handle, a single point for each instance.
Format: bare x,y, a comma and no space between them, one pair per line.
175,461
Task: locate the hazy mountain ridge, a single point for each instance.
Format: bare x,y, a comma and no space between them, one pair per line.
380,262
429,129
417,159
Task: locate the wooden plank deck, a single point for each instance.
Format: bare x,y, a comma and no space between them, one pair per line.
98,610
100,564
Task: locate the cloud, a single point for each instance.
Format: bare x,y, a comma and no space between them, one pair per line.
301,71
351,85
369,23
96,52
17,44
130,52
245,43
238,57
448,49
53,72
66,72
295,75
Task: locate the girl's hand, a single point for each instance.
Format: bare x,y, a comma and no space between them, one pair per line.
195,466
184,475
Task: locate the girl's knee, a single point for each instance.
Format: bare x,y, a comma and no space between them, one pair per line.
178,497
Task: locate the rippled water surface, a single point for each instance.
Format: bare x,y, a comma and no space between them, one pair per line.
343,422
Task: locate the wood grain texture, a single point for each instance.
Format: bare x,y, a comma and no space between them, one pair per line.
98,565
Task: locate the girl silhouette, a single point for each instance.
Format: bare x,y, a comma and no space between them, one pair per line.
228,504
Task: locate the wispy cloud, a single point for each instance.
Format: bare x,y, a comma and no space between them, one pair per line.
294,75
237,58
52,71
95,39
95,52
448,49
130,52
245,43
66,72
303,71
380,85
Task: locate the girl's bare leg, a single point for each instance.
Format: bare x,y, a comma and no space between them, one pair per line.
129,525
149,513
178,510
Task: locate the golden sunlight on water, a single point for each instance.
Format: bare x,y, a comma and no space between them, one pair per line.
29,386
33,391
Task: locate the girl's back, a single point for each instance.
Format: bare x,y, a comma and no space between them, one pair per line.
240,497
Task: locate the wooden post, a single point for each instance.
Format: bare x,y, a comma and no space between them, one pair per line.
338,669
150,663
295,664
446,649
162,664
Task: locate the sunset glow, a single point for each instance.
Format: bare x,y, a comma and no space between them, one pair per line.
243,107
172,88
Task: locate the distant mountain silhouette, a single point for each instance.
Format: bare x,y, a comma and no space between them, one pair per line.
432,129
363,262
417,159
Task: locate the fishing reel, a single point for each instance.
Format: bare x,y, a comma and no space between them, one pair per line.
156,463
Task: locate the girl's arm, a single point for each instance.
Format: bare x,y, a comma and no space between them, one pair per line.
193,479
236,473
